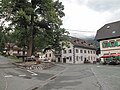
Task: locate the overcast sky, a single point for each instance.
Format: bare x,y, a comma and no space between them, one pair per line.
89,15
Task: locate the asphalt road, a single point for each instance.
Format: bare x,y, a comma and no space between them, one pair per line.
86,77
60,77
14,78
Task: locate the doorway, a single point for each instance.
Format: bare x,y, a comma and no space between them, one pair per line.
64,60
59,59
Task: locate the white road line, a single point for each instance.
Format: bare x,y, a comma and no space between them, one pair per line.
6,84
53,77
48,80
8,76
98,66
32,73
22,75
114,76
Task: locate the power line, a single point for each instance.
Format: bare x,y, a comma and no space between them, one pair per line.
80,31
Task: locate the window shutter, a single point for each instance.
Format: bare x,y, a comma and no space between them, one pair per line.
115,43
103,45
108,44
110,59
116,57
119,58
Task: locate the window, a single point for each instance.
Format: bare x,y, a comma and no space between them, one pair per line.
67,57
50,55
88,57
81,58
84,51
118,42
88,51
46,55
77,58
108,27
113,32
94,52
115,43
81,51
70,58
91,52
68,45
104,44
64,51
91,57
70,51
108,44
77,51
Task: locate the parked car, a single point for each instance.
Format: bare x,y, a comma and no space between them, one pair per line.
45,60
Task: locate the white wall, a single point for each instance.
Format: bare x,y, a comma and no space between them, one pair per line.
52,57
78,55
67,54
89,56
109,50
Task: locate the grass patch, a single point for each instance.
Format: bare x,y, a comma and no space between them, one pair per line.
15,59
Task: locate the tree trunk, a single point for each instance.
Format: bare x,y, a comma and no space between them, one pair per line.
31,38
30,47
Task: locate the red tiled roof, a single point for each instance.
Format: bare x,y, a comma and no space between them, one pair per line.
77,42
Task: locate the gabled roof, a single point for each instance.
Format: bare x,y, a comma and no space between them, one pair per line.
77,42
10,45
108,31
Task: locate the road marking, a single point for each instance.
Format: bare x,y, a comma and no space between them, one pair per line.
48,80
53,77
98,66
32,73
22,75
6,84
8,76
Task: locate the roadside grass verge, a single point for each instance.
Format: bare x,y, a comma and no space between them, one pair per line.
15,59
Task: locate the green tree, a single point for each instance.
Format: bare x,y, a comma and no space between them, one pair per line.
34,20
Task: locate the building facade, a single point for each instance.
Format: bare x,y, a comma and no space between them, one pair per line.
109,39
14,50
49,55
110,46
79,51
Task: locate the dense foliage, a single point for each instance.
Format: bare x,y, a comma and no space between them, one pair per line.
35,24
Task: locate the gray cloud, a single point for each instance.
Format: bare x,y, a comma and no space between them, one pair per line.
115,17
90,14
104,5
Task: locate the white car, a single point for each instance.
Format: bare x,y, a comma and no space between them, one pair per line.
45,60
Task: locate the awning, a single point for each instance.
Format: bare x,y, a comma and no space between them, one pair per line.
118,54
105,56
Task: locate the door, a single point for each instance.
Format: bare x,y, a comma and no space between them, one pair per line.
59,59
85,60
64,60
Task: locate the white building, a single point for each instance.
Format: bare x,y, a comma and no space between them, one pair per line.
109,40
49,55
12,49
79,51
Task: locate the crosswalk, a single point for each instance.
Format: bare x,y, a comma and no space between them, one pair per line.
22,75
41,66
7,76
31,73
